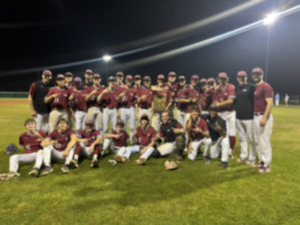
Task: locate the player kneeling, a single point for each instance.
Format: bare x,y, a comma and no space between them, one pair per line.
59,145
89,141
197,132
31,142
144,139
219,137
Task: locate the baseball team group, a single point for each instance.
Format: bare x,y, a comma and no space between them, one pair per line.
209,113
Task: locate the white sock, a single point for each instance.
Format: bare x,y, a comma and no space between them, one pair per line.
76,157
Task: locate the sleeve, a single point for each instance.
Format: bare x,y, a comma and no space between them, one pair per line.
21,143
32,90
231,91
50,92
178,125
42,133
80,134
51,136
268,92
71,132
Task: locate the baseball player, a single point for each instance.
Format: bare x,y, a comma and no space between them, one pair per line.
78,103
119,79
126,102
59,145
198,133
68,79
109,97
144,139
263,120
144,99
37,92
277,99
88,141
219,143
173,87
88,81
180,99
244,103
286,100
58,97
223,98
95,111
137,81
31,142
204,97
210,84
193,95
172,135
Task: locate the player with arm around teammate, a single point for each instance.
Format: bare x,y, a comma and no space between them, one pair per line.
88,141
31,142
59,145
198,133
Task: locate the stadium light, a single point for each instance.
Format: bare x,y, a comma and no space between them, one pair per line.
107,58
270,19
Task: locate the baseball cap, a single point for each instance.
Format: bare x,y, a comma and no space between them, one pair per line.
68,74
172,74
120,73
89,71
222,75
111,78
241,74
77,80
257,70
195,77
137,77
47,72
160,77
211,80
203,81
97,75
89,123
144,117
146,78
128,77
181,77
60,77
120,123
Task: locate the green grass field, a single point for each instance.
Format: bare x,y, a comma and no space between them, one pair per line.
196,193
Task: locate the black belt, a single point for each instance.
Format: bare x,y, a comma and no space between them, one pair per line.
145,107
258,114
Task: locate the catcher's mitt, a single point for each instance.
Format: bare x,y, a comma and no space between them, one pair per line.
11,149
170,165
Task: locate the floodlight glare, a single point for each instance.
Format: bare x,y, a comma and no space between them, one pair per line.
270,18
107,58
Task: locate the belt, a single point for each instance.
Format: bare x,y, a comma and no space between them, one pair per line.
126,107
258,113
144,107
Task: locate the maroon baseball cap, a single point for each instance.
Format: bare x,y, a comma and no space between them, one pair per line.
181,77
195,77
257,70
77,80
68,74
97,75
146,78
137,77
120,123
172,74
120,74
47,72
144,117
241,74
222,75
203,81
89,123
213,107
128,77
160,77
89,71
211,80
111,78
60,77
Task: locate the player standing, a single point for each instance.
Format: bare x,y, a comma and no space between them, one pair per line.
39,109
180,99
263,120
244,103
68,79
173,87
88,81
144,99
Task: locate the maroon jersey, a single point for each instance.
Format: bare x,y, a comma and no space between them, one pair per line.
121,141
172,88
202,124
60,102
110,98
262,92
79,98
93,99
92,136
221,95
31,143
128,100
182,93
145,136
205,99
164,92
192,94
63,139
146,102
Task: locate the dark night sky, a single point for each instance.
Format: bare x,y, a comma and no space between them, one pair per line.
49,32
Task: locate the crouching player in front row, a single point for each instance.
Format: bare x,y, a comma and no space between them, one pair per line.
59,145
31,142
89,140
219,137
198,133
144,139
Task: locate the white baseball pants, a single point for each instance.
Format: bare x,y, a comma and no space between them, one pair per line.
182,117
50,153
17,159
196,144
229,116
166,148
42,122
128,114
80,117
108,143
95,114
219,146
109,115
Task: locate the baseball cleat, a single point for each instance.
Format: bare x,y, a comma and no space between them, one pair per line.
113,162
240,160
225,165
140,161
94,163
74,163
265,169
206,159
179,158
258,165
118,158
46,171
34,172
9,176
250,163
65,169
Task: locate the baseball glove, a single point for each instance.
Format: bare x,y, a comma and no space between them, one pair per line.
170,165
11,149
